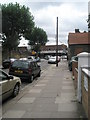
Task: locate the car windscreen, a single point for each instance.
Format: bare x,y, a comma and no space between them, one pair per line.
20,64
53,58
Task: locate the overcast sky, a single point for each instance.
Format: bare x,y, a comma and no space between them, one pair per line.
71,15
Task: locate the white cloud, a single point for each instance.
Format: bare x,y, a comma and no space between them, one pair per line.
70,17
71,14
26,1
23,42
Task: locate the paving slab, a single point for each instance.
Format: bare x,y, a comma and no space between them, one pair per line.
44,81
27,100
37,114
64,99
69,107
53,96
14,114
43,100
67,87
43,107
33,94
49,94
65,115
21,106
68,90
40,85
35,90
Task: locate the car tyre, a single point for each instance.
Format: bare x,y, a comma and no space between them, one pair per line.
70,68
31,79
16,90
39,74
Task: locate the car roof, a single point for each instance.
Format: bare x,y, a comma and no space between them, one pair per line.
26,60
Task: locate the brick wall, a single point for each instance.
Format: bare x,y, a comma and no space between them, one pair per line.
0,55
76,49
75,72
74,65
85,93
75,77
89,98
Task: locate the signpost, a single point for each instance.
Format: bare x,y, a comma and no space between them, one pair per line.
57,43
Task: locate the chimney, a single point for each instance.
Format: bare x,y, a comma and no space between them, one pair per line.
77,31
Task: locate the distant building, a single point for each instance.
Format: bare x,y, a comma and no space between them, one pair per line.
22,49
78,42
0,43
51,49
0,49
0,39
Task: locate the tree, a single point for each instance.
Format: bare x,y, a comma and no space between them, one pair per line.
16,22
37,38
88,22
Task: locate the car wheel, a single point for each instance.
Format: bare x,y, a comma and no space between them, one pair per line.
70,68
16,90
31,79
39,74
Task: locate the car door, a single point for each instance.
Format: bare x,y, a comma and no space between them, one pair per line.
6,86
32,65
37,69
34,68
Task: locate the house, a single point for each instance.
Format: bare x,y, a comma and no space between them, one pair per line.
22,49
0,52
51,49
78,42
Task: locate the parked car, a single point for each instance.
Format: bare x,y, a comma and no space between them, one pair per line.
6,63
47,57
74,58
10,85
64,56
23,58
31,57
25,69
53,59
37,59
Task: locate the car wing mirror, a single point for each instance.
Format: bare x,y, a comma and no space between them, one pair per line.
10,77
38,65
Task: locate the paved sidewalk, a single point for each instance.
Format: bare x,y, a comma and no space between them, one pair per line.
52,97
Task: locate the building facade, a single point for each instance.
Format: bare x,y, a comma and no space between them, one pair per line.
77,43
51,50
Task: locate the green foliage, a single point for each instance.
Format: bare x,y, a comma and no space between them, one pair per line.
37,38
89,21
16,21
36,48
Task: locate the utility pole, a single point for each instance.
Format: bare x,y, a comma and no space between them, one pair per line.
57,43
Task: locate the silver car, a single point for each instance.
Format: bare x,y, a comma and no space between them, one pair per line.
9,85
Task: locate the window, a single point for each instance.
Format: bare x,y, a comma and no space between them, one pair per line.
3,76
0,76
35,64
20,64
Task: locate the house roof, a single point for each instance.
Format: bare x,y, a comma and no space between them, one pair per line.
79,38
53,47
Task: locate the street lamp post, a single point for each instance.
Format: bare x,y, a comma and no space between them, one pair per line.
57,43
